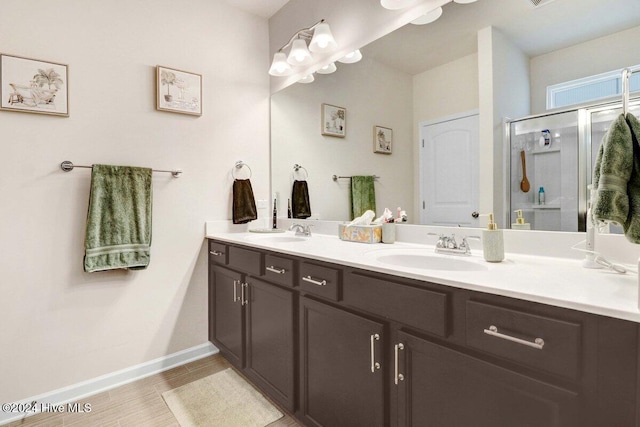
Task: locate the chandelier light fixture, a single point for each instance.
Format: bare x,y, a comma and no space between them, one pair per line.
352,57
316,39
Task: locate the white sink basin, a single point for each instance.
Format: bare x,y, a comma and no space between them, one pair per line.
426,261
275,239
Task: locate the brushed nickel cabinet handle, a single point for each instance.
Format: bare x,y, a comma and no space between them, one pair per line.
235,290
315,282
374,365
493,331
397,376
244,301
216,253
276,270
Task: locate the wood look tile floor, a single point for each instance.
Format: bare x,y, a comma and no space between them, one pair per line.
140,403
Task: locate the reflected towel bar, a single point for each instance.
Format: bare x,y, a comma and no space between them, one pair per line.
336,177
68,166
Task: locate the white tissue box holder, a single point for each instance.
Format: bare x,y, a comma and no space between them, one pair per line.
360,233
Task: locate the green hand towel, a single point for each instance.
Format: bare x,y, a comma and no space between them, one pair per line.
118,231
363,195
632,225
612,173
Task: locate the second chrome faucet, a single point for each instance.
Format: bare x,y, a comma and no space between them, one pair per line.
448,244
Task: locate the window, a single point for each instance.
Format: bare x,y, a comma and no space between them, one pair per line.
588,89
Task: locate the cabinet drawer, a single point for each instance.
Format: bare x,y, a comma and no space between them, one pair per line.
512,335
245,260
218,253
279,270
420,308
320,280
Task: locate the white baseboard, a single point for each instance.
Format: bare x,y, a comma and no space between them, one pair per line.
81,390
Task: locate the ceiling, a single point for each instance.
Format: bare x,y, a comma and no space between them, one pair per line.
263,8
559,24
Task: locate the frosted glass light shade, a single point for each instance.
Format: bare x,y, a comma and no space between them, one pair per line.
327,69
299,54
322,40
352,57
428,17
307,79
395,4
279,66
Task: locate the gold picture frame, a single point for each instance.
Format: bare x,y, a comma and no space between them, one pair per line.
187,100
34,86
334,121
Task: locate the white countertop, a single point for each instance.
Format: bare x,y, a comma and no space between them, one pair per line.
559,282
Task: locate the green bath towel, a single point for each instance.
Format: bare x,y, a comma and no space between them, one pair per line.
363,195
119,219
612,173
632,225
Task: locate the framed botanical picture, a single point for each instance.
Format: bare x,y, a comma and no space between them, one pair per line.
382,140
34,86
334,120
178,91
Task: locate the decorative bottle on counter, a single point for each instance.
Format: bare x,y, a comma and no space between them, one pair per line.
520,224
492,242
541,196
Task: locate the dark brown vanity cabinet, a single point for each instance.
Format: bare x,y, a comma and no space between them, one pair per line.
252,323
343,384
340,346
439,386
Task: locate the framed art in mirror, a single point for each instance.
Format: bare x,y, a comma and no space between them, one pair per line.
334,120
34,86
178,91
382,140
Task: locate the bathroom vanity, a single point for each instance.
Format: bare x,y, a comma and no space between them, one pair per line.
340,345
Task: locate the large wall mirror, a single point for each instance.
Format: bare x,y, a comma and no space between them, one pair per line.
425,83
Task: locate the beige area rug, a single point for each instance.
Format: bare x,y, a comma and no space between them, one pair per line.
222,399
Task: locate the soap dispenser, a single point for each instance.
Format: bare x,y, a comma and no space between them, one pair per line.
520,224
492,242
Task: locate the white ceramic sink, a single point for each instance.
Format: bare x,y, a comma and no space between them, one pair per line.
276,238
426,261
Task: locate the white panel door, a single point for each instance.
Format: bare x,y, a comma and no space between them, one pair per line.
450,172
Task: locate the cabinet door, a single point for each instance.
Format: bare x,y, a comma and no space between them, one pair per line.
443,388
341,383
226,330
270,344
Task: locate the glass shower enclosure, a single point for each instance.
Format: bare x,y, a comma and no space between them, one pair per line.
557,151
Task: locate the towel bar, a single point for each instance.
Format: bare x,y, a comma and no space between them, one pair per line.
336,177
68,166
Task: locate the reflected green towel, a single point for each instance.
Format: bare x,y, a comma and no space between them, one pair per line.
118,231
612,173
632,224
363,195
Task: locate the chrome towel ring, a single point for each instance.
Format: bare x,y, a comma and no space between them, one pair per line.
239,165
297,167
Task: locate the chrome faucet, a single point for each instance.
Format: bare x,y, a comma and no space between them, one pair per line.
301,230
448,244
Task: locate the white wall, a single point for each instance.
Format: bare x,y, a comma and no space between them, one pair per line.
504,93
61,325
596,56
446,90
373,94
